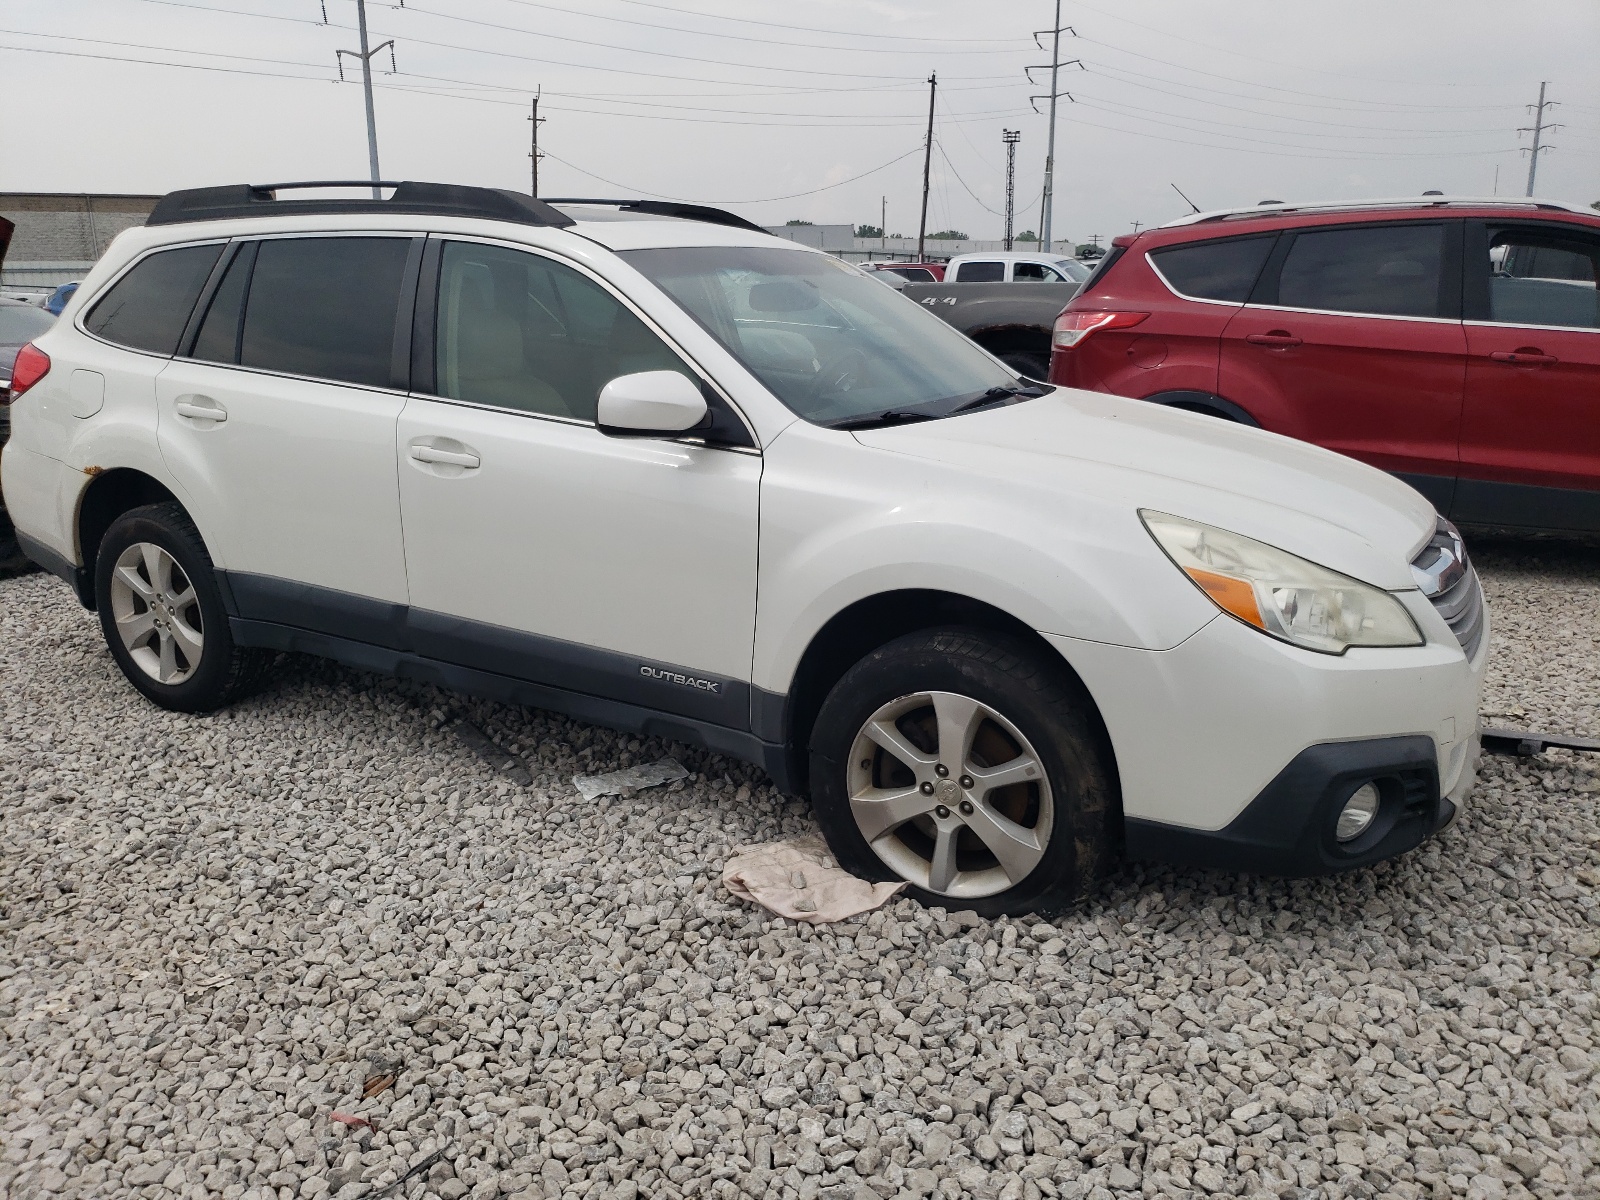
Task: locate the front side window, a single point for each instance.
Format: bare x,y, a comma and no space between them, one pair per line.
1036,272
1389,271
149,306
520,331
825,340
325,307
1216,270
981,272
1538,278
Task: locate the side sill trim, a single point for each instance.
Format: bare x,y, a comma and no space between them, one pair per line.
60,566
630,718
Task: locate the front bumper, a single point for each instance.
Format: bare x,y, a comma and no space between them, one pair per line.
1289,828
1230,725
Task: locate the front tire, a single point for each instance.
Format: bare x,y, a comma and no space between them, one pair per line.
1031,366
162,614
968,765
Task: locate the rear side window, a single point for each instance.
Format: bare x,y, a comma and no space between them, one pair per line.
325,307
914,274
981,272
149,306
1224,270
519,331
1389,271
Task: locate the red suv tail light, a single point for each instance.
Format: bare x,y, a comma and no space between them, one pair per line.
1073,327
32,365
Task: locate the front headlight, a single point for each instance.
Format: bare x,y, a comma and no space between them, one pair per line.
1280,593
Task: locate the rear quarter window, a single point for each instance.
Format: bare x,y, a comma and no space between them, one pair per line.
149,306
1216,270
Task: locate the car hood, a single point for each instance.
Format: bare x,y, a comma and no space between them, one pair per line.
1107,452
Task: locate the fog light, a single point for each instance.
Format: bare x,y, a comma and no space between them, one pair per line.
1356,815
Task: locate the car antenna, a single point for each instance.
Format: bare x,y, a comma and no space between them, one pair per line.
1186,199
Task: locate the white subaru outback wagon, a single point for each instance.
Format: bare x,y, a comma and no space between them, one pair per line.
645,464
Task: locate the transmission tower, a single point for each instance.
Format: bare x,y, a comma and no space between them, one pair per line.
1010,137
1539,128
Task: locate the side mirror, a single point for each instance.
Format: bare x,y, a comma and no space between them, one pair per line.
650,403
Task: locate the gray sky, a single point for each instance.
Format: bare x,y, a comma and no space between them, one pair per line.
740,102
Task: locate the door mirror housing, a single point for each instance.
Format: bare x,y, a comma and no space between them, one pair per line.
651,404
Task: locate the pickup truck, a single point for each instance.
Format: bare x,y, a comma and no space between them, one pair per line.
1012,321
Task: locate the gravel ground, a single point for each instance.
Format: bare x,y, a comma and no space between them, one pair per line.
216,929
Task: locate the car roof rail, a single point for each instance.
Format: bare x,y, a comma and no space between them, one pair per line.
1266,209
667,208
241,200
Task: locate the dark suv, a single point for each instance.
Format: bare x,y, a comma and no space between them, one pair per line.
1455,343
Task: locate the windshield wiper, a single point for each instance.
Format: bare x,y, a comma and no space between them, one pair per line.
892,416
996,395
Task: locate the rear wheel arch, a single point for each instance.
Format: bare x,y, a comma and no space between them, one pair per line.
1207,404
874,621
108,496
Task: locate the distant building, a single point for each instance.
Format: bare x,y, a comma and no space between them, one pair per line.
60,235
841,242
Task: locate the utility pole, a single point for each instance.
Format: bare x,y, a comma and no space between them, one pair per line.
1538,129
536,155
927,166
1136,225
1011,137
1056,30
365,56
883,224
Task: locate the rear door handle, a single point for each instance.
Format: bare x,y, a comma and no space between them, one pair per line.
201,408
432,454
1523,358
1277,337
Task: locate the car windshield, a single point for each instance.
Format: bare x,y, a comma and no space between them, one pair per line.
832,345
21,323
1072,269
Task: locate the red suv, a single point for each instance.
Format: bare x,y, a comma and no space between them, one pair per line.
1453,342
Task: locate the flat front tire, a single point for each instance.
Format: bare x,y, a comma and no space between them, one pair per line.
967,764
162,615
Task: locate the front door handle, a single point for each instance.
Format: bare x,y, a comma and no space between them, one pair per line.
1527,356
432,454
1280,338
201,408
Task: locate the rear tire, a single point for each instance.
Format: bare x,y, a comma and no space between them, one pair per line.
161,612
961,761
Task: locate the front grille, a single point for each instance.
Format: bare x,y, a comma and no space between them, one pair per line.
1449,581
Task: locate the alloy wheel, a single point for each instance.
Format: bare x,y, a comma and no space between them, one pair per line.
950,794
157,613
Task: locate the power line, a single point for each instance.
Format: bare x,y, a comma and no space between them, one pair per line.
678,9
963,182
1380,105
1116,109
1391,131
695,58
1212,46
961,46
767,200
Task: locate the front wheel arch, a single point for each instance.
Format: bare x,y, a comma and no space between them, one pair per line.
1207,404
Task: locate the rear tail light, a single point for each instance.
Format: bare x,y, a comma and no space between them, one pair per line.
32,365
1073,327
